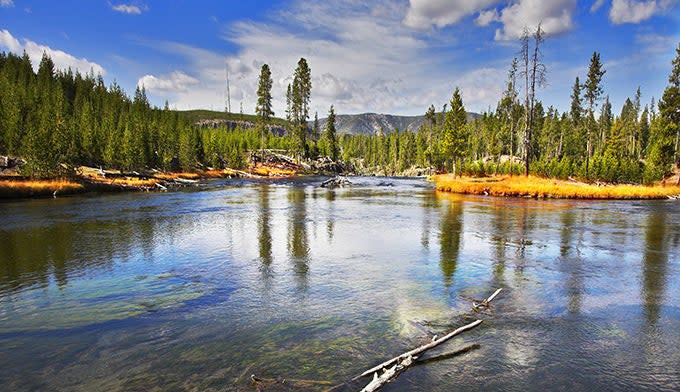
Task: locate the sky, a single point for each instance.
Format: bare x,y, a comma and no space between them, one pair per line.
382,56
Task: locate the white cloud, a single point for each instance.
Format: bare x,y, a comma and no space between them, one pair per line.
129,8
632,11
423,14
173,83
362,59
655,43
597,5
6,3
61,59
554,16
486,17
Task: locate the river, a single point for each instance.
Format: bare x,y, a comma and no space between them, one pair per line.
199,289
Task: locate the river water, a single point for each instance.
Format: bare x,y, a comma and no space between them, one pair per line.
197,290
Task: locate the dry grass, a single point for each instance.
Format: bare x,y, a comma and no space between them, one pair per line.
125,182
174,176
549,188
33,188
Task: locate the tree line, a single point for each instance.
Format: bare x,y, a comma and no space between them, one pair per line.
589,141
56,120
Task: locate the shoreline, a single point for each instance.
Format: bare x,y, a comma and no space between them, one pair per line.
550,188
94,180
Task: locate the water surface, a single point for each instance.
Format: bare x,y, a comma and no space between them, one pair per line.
196,290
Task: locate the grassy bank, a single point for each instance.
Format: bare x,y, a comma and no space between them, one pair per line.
519,186
88,179
10,189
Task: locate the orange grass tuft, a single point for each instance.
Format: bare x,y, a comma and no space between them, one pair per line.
549,188
27,188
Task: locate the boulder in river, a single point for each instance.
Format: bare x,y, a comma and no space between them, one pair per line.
336,182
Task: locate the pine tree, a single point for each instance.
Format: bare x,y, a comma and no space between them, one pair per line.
669,104
300,96
330,136
264,102
593,92
454,135
576,105
605,121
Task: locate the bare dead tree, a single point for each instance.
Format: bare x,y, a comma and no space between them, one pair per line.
534,72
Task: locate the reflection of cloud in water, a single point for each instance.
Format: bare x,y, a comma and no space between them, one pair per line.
414,308
522,348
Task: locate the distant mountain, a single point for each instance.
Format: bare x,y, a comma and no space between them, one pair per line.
355,124
374,123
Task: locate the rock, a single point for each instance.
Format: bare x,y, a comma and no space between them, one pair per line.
336,182
4,161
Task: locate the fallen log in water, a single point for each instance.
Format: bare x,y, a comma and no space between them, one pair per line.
402,362
421,349
394,366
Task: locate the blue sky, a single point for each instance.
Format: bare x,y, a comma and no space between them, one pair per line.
386,56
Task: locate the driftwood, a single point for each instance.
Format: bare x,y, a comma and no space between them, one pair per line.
389,374
273,158
485,303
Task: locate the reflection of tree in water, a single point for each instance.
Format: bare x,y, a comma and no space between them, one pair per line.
430,201
264,237
567,219
330,222
655,265
571,263
298,243
32,256
450,240
499,237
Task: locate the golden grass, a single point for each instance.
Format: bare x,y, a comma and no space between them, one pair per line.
28,188
181,175
126,182
519,186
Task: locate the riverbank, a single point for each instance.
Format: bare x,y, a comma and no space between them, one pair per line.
89,179
519,186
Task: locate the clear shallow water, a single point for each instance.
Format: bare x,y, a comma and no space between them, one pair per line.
197,290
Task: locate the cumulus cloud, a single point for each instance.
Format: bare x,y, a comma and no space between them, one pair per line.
128,8
172,83
363,58
6,3
554,16
61,59
632,11
423,14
